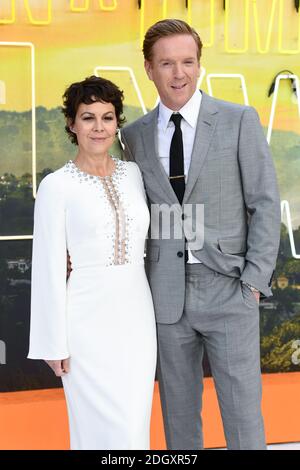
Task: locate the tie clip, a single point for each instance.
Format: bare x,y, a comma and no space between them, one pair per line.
175,177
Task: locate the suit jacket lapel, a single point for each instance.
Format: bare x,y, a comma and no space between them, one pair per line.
149,134
206,124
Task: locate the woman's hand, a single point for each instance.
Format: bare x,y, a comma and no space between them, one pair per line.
60,367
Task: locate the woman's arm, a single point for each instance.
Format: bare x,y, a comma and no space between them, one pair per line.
48,326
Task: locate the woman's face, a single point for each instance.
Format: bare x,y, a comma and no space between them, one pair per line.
95,127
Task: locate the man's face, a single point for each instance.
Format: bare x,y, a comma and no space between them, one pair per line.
174,69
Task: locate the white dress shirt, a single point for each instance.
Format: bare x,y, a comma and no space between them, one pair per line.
165,128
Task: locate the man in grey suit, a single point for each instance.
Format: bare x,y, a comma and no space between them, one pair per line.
195,150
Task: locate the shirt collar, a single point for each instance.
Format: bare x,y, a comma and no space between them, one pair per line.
189,111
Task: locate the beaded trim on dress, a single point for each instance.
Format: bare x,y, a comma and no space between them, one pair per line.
110,184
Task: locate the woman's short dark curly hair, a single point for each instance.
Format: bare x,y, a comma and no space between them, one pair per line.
88,91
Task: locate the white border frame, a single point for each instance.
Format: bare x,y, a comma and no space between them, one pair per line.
228,75
132,76
286,207
276,90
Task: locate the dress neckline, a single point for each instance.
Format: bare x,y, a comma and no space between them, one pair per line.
90,175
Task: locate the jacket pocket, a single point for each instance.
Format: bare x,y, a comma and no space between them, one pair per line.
233,245
153,253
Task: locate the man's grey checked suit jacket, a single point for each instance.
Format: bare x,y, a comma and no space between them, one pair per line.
233,175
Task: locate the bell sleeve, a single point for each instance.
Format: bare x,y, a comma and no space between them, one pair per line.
48,325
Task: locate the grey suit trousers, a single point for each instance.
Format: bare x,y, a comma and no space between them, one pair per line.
221,315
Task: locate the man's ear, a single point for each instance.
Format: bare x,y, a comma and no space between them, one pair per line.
148,69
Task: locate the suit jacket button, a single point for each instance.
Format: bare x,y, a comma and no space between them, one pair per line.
179,254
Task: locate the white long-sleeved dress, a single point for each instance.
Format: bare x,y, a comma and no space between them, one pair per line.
102,317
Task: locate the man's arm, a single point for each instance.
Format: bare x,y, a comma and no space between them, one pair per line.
262,201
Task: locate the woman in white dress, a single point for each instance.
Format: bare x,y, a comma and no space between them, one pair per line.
97,330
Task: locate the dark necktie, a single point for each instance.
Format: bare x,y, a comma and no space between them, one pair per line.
176,176
176,159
